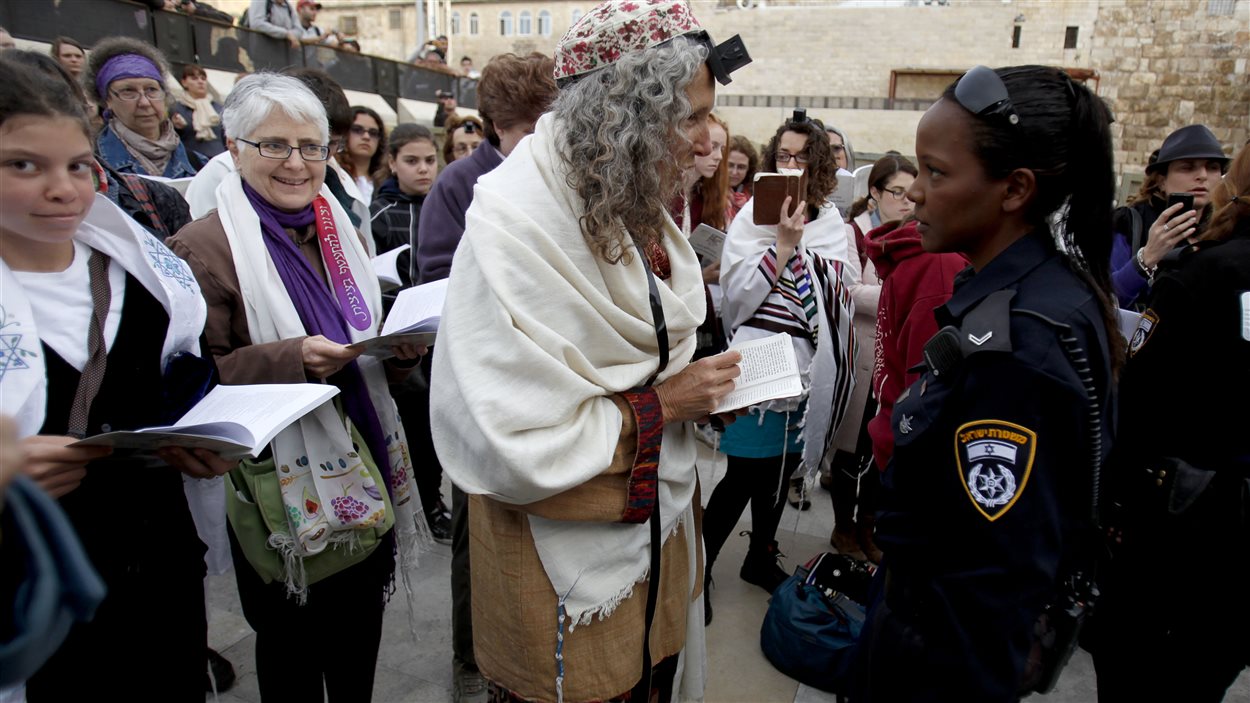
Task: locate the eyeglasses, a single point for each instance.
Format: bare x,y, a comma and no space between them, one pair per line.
360,131
784,158
898,193
131,95
983,93
278,150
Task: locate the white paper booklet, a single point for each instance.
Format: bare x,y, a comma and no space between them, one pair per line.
770,371
234,421
708,242
179,184
413,319
1128,323
386,266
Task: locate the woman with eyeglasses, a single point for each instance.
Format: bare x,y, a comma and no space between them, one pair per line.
317,522
791,278
987,509
127,76
366,149
464,134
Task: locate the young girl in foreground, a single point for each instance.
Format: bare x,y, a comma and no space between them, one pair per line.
93,309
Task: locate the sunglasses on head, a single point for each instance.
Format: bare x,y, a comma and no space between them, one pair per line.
983,93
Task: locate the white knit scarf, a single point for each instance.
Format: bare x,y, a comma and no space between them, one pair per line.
537,332
23,374
328,495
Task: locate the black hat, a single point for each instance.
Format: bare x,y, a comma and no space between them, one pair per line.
1192,142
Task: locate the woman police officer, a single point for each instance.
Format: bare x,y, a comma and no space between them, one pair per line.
986,501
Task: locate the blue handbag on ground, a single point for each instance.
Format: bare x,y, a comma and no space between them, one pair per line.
811,627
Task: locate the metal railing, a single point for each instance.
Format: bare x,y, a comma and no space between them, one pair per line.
188,39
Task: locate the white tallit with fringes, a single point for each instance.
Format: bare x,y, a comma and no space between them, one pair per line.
828,368
23,373
538,331
327,495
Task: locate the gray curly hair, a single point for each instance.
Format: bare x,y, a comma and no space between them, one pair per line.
106,49
620,138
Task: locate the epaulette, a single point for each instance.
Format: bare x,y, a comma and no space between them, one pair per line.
987,326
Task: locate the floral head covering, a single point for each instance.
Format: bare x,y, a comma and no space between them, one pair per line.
617,27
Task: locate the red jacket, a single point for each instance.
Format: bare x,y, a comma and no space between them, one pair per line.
914,283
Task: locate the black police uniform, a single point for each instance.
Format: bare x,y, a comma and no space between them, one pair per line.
990,481
1173,617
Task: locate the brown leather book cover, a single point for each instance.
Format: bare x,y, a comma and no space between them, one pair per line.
771,190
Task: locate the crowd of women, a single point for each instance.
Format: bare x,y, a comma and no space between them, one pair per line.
983,297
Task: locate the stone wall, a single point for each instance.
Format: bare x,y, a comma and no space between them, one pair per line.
1161,63
1165,65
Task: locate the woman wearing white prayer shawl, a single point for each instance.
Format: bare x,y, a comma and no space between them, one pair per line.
791,278
289,288
546,406
100,326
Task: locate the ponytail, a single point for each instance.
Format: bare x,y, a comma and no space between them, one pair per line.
1086,228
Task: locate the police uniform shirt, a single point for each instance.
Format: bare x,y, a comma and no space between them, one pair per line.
991,471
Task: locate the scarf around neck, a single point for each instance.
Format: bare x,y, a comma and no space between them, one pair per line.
152,154
204,116
318,311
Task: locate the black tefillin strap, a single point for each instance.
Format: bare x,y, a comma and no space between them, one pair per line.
653,580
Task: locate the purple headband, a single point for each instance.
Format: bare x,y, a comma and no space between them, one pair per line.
126,66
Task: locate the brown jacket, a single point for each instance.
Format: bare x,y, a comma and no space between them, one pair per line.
204,247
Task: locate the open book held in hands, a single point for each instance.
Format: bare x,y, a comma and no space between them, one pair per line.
770,371
234,421
413,319
771,190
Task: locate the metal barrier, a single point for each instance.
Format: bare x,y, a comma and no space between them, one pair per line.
189,39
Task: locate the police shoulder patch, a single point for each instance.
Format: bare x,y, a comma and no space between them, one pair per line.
994,459
1145,327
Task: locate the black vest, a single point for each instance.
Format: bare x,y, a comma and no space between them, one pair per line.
130,512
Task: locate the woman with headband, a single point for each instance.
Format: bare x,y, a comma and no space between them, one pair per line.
127,76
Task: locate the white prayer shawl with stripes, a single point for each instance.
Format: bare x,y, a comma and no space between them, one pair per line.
807,298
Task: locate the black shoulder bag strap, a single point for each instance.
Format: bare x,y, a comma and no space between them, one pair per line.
653,580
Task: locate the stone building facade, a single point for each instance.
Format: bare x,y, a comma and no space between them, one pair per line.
871,67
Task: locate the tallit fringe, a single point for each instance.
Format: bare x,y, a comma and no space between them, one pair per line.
410,541
604,610
296,578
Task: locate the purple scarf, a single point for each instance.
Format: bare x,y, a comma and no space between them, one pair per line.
321,315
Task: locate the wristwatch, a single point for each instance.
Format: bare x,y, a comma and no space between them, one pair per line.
1147,271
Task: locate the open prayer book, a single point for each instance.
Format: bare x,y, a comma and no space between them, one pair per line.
708,242
770,371
385,265
413,319
234,421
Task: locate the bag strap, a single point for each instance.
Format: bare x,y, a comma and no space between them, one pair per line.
653,579
1136,223
92,376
